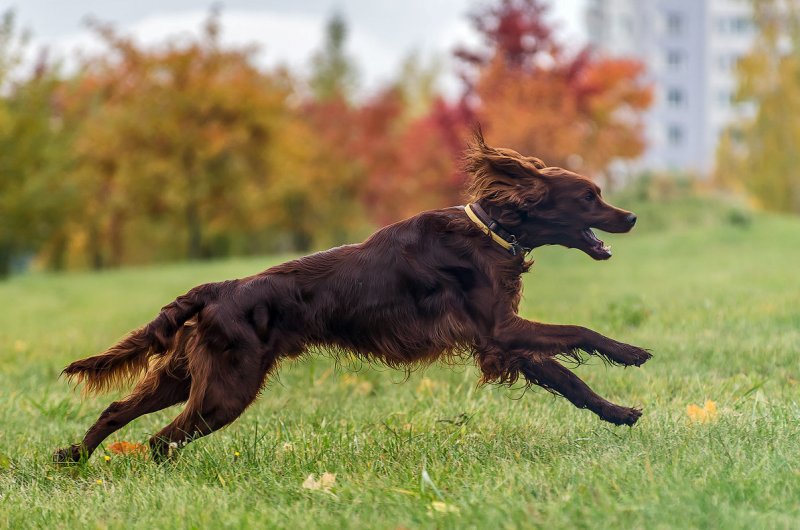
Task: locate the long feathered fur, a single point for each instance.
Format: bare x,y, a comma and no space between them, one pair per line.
503,175
124,362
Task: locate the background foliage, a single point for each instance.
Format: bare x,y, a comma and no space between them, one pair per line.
758,154
191,150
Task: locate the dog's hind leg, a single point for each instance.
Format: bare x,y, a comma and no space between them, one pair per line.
223,386
160,389
550,374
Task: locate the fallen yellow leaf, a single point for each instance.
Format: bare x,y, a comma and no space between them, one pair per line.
128,448
358,385
441,507
325,482
404,492
704,414
427,385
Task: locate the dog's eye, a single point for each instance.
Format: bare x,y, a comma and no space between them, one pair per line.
590,196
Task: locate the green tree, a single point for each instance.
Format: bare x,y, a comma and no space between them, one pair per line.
417,83
34,197
758,153
333,73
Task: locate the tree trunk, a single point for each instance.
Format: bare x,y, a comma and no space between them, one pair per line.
95,249
195,250
301,241
116,239
5,262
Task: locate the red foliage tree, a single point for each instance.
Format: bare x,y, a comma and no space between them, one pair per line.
577,110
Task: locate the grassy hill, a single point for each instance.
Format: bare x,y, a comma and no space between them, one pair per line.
712,291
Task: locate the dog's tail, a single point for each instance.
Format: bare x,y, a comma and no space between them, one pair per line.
123,362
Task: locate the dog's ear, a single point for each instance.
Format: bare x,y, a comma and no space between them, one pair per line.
503,175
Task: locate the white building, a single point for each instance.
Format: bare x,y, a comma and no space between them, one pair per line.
691,48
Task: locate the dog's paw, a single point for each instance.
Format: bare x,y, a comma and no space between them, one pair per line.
162,450
628,355
67,455
621,415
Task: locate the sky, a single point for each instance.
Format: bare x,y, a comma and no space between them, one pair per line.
381,32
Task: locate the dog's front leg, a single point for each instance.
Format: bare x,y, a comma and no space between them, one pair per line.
548,373
559,339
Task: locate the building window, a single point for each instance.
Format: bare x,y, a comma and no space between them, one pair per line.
727,61
674,59
733,25
724,98
675,135
675,97
741,25
674,23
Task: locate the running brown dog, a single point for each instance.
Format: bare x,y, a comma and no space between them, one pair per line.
442,283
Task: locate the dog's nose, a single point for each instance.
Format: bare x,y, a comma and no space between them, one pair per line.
631,218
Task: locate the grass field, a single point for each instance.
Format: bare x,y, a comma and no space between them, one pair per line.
715,295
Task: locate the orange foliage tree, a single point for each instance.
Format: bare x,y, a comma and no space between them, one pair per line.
574,110
415,164
172,148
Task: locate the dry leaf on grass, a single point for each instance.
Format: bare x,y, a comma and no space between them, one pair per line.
442,507
359,386
128,448
325,482
704,414
427,385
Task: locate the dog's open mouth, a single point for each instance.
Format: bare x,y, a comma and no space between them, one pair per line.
597,249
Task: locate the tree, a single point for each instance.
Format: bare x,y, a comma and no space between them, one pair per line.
412,165
576,110
333,73
318,173
315,192
173,148
34,197
758,153
513,31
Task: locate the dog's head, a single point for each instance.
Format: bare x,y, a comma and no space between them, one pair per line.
541,205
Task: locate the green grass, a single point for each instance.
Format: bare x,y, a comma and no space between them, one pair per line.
716,298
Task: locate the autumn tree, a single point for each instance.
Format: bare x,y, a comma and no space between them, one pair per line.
314,195
758,152
412,161
577,110
173,151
